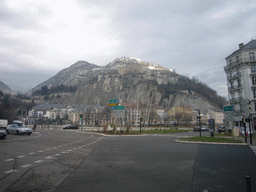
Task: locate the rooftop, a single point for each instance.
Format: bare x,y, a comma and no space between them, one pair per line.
250,45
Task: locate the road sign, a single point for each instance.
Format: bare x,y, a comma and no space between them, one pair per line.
118,113
120,107
112,104
229,108
111,101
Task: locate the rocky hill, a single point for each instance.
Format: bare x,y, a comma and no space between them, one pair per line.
5,89
129,80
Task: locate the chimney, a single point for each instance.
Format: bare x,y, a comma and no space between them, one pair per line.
241,45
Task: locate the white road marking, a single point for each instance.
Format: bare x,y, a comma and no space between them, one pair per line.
9,159
27,165
40,151
32,153
50,157
10,171
57,154
75,148
38,161
20,156
69,150
64,152
48,149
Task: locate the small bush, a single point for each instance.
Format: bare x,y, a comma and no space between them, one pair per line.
105,128
114,128
128,128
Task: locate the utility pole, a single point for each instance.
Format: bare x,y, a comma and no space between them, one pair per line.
245,134
199,119
250,129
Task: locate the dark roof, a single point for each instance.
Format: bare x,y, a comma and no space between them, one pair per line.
250,45
44,107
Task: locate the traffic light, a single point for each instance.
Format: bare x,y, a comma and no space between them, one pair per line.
249,104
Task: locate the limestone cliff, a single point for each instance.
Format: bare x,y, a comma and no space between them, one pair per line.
129,80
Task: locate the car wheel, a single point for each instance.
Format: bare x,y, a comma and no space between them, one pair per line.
29,133
7,132
3,137
17,132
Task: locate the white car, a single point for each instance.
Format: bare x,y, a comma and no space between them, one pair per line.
18,129
241,131
2,134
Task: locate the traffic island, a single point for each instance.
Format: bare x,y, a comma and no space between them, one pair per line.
211,140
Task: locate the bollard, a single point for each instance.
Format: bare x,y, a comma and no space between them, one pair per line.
248,184
212,134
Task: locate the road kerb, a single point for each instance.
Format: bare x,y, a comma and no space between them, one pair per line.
212,143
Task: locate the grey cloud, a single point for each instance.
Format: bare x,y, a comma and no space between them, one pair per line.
18,19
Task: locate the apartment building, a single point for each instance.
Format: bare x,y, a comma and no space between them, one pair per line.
241,78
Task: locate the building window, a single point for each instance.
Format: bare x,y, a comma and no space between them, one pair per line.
254,93
252,56
232,84
239,82
253,68
254,80
237,59
230,61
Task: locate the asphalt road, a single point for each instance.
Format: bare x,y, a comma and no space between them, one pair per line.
41,161
52,160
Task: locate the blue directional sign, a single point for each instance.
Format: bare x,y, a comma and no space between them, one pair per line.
120,107
229,108
111,101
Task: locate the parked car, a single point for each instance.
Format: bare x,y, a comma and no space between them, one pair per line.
196,128
18,122
221,129
241,131
70,127
18,129
2,134
203,128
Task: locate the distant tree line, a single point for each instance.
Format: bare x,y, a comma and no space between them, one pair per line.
55,89
12,108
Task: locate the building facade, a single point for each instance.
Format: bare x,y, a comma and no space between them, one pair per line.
241,80
218,116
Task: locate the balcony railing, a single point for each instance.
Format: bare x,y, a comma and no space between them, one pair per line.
237,74
235,87
235,99
238,110
236,62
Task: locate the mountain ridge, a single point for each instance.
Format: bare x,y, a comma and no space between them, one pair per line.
6,89
129,80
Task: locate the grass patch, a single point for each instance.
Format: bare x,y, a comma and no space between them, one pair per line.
160,131
211,139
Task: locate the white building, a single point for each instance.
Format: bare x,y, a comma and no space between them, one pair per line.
241,78
218,116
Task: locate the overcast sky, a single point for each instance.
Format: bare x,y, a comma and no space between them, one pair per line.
38,38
